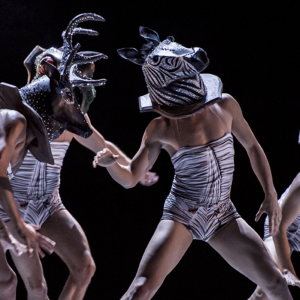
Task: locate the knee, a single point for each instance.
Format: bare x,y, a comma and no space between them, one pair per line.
37,288
8,286
141,289
277,285
84,271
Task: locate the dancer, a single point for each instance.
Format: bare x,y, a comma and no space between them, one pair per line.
200,144
287,239
36,190
32,117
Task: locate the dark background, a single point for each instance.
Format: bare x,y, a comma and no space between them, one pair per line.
253,47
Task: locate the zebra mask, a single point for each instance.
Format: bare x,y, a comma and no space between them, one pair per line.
171,71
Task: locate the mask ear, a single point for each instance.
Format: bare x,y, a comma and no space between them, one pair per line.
149,35
51,72
132,55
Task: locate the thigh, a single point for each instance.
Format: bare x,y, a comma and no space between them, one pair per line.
245,251
30,268
165,249
71,243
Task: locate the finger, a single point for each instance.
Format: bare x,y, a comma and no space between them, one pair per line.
46,241
40,252
258,215
30,250
279,217
276,224
94,164
36,227
115,156
271,225
46,247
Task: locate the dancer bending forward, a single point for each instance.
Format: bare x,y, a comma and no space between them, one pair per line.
201,149
36,191
287,238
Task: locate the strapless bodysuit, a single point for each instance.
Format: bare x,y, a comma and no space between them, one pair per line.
200,193
36,186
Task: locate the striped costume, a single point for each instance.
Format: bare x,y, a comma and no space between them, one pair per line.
200,194
36,186
293,231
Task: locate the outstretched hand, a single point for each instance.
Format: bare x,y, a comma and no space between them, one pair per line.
35,241
271,207
149,179
8,242
104,158
290,278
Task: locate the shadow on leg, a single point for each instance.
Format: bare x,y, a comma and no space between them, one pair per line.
244,250
73,248
8,279
31,271
165,249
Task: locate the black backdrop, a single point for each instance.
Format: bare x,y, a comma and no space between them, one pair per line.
253,48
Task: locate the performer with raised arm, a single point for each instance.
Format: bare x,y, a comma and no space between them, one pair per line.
36,190
287,238
196,129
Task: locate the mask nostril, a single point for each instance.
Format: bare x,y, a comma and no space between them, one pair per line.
201,54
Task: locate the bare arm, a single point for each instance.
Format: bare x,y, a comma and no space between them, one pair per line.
259,163
12,139
129,176
290,210
96,143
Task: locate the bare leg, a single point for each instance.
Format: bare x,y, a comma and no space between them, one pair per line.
165,249
72,247
244,250
31,271
8,279
258,294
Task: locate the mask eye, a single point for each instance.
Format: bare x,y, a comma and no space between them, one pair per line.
155,58
67,95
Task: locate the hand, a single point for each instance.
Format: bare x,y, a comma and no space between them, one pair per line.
8,242
290,278
34,240
149,179
105,158
271,207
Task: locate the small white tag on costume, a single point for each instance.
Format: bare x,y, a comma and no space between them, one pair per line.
145,103
213,86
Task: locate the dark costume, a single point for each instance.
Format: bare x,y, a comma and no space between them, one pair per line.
49,103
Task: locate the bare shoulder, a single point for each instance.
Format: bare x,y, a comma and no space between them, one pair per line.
11,116
11,120
229,104
155,129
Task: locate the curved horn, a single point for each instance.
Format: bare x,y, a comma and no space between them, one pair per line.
85,57
83,81
67,35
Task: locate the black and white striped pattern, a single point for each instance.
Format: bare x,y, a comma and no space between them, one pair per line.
172,81
293,231
200,194
36,186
